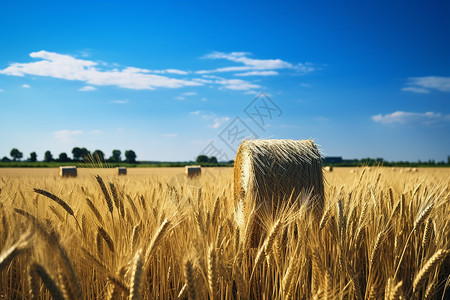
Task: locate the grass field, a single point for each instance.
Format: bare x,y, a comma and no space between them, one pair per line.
384,233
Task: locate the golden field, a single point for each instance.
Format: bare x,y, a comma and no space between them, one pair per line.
383,234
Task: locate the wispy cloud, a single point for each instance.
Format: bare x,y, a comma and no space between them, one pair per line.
120,101
87,88
66,136
70,68
210,116
416,90
219,122
189,94
424,84
26,86
403,117
260,67
1,90
236,84
170,135
258,73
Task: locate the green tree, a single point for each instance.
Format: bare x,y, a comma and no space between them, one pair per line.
16,154
76,152
98,156
33,157
63,157
48,157
201,159
130,156
116,156
85,153
212,160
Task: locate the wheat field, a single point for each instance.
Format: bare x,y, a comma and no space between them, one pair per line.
383,234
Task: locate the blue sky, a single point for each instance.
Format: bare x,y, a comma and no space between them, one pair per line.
170,81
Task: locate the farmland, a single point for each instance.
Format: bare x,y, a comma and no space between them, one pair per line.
155,234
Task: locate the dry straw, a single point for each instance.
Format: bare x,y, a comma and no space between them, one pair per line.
276,169
267,173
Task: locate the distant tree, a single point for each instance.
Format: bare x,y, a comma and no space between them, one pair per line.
85,153
5,159
231,162
76,152
201,159
98,156
16,154
448,160
116,156
33,157
130,156
63,157
212,160
48,157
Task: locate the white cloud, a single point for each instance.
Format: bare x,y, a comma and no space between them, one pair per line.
219,122
190,94
424,84
403,117
251,64
204,99
175,71
120,101
170,135
67,67
1,90
96,131
180,98
236,84
87,88
66,136
258,73
169,71
26,86
195,113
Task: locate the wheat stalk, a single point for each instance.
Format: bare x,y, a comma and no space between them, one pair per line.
212,270
190,280
430,265
136,277
102,185
107,238
49,283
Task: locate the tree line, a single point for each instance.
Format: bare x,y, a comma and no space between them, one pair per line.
78,155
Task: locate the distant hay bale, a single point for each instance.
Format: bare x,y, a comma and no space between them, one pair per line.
352,171
328,168
121,171
268,173
414,170
69,171
193,171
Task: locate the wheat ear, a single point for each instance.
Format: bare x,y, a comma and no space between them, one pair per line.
49,283
428,267
136,277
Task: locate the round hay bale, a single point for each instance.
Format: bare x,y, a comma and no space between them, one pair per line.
121,171
352,171
68,171
192,171
414,170
268,173
328,168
